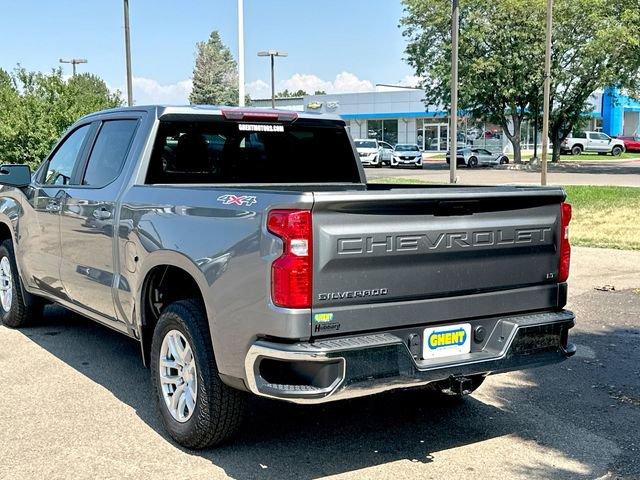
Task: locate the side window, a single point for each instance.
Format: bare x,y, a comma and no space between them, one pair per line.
62,163
109,152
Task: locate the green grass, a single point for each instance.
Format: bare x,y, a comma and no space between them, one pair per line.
604,217
588,157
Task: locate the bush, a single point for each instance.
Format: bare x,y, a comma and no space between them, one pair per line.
36,108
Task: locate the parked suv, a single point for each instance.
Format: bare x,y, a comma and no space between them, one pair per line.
369,151
592,142
407,155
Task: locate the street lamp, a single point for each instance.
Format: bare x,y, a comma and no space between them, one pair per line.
272,54
546,94
74,62
241,53
455,25
127,53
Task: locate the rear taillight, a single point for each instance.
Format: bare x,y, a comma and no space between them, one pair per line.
291,273
565,246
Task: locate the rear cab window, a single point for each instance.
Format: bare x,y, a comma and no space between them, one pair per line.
214,150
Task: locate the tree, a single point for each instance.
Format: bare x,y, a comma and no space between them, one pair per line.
287,94
38,107
495,83
215,76
502,57
596,45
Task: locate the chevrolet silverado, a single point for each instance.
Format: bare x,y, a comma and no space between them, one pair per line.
245,252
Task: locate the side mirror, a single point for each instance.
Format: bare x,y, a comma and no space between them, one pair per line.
15,175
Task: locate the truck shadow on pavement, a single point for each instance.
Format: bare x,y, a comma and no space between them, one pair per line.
281,440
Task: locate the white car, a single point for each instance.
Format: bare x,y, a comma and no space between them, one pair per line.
592,142
406,155
369,151
386,153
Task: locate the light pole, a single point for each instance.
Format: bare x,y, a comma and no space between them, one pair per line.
547,93
272,54
453,156
74,62
127,51
240,53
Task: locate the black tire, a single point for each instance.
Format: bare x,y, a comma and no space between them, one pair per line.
616,151
504,160
472,162
25,308
218,408
576,150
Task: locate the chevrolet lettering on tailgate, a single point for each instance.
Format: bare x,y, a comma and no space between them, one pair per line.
443,241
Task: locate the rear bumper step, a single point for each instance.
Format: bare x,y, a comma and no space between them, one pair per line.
348,367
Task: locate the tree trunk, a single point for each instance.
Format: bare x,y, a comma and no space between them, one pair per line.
514,137
556,139
556,152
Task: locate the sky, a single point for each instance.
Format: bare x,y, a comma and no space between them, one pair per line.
333,45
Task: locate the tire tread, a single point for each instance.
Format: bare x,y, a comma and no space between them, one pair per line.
25,307
221,410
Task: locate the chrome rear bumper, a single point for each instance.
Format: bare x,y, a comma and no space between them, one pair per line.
355,366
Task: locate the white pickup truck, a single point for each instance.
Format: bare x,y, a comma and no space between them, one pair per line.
592,142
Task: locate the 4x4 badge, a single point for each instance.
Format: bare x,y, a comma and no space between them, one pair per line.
237,199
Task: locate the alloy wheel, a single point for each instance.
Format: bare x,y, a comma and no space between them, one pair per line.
178,376
6,284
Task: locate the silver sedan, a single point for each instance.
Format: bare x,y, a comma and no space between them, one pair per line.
473,157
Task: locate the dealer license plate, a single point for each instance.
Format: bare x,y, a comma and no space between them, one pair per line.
446,340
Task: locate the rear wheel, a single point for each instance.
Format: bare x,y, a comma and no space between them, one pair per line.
616,151
17,308
472,162
196,407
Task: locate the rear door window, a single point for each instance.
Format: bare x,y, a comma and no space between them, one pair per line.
109,152
221,151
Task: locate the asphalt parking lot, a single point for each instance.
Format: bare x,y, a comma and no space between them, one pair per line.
76,403
603,172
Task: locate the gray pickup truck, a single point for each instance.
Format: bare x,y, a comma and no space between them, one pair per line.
245,252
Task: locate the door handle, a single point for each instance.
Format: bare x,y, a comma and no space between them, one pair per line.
102,213
52,206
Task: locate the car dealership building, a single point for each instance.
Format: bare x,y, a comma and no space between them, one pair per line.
400,116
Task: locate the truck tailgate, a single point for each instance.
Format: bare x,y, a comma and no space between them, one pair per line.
438,252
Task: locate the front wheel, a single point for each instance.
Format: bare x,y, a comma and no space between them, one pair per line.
18,308
196,407
577,150
616,151
504,160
